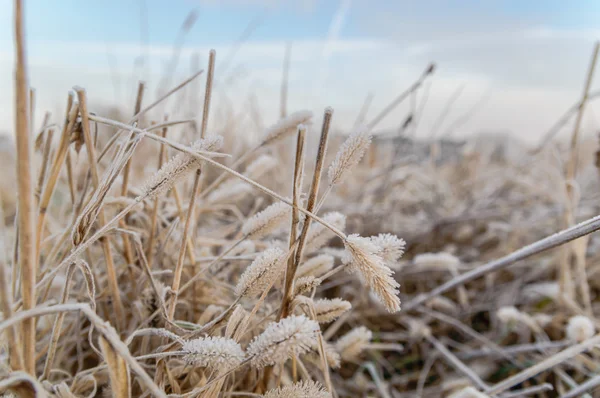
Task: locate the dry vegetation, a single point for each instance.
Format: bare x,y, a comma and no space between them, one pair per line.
152,257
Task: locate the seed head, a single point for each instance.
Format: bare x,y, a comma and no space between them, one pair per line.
292,336
266,221
351,345
303,389
216,353
363,256
350,153
260,274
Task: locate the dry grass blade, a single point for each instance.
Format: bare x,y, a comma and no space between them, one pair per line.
117,370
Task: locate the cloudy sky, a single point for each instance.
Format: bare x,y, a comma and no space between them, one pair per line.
514,65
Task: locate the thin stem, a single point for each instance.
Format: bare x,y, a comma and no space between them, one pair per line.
186,231
544,365
113,285
26,216
151,236
103,328
125,184
559,238
204,156
296,190
456,363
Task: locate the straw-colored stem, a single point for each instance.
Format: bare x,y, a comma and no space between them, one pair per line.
44,168
186,230
204,156
59,157
6,303
56,328
296,191
154,218
126,172
26,217
113,285
103,328
70,176
312,201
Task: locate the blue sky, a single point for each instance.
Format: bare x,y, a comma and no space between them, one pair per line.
528,58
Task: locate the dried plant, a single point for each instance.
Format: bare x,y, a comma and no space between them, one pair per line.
260,274
216,353
121,276
303,389
292,336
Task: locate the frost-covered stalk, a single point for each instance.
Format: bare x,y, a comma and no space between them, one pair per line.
310,206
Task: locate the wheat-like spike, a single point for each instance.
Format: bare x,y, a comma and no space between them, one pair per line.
392,248
349,154
286,126
318,235
328,310
260,166
351,345
266,221
261,273
176,168
316,266
306,284
363,256
303,389
215,353
292,336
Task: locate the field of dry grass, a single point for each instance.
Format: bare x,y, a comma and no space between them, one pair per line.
152,256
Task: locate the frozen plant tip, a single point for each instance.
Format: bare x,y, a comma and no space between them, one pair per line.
352,344
363,256
580,328
216,353
303,389
260,274
266,221
328,310
392,248
292,336
348,156
306,284
176,168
